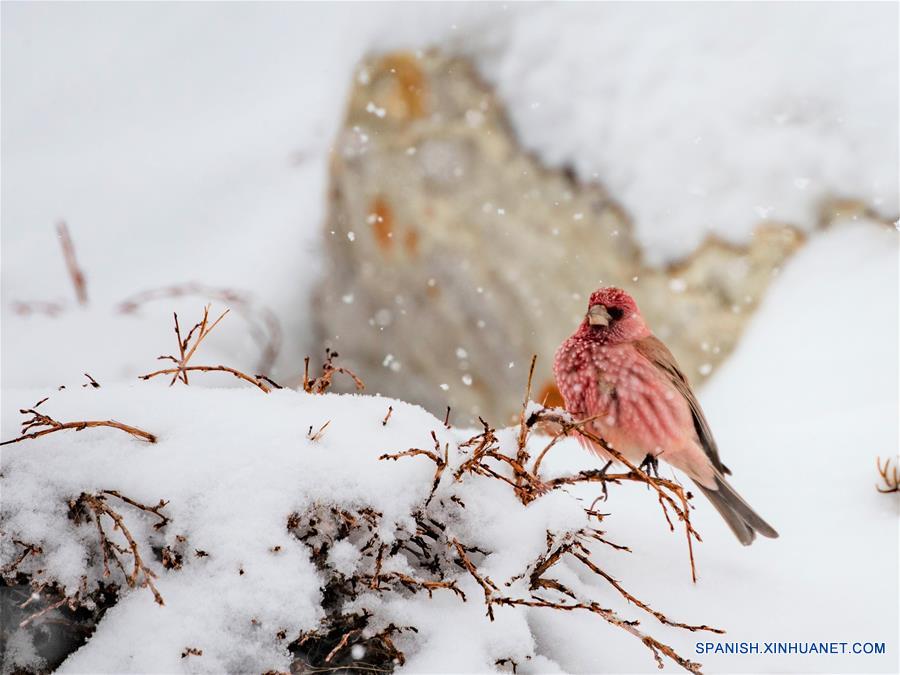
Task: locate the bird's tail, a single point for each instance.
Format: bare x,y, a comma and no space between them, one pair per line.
742,519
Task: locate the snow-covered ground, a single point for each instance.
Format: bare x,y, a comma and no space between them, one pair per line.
801,412
189,142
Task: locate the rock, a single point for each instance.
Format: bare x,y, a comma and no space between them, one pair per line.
453,255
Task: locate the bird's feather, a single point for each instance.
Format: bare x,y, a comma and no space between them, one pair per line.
652,349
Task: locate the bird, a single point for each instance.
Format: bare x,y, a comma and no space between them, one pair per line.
614,370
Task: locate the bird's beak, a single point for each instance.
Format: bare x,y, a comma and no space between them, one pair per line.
598,316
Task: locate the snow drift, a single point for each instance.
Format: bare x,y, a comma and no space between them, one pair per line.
253,532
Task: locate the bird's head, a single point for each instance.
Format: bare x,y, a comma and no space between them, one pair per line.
613,316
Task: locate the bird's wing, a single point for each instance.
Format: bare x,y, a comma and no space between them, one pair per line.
652,349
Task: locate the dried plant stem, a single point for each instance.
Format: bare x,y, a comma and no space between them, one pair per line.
323,382
583,557
49,608
435,456
208,369
660,485
75,272
486,584
97,504
890,476
27,550
522,454
187,348
264,324
429,586
155,510
536,469
39,420
263,378
321,432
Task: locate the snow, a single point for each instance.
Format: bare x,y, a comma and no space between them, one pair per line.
233,465
800,413
710,118
231,485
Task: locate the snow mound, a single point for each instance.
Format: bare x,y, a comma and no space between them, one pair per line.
272,527
707,118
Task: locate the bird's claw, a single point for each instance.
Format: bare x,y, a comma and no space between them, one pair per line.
650,465
603,483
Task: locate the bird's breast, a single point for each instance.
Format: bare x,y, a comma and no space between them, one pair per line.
637,409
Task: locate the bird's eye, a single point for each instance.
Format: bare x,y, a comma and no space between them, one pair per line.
615,313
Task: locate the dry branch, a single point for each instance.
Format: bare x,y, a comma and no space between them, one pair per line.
154,510
98,506
522,453
27,550
667,491
49,608
435,456
85,508
187,348
264,324
890,476
255,381
75,272
316,436
437,555
47,425
322,383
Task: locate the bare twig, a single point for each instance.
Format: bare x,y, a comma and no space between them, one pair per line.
435,456
316,436
40,421
27,550
522,454
75,272
209,369
323,382
264,324
427,550
429,586
187,348
49,608
890,476
662,487
485,582
269,380
536,470
98,505
155,510
582,556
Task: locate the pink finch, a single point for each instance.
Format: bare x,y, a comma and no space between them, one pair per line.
613,368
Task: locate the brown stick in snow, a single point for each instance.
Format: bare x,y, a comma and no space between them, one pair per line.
75,272
187,348
39,420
